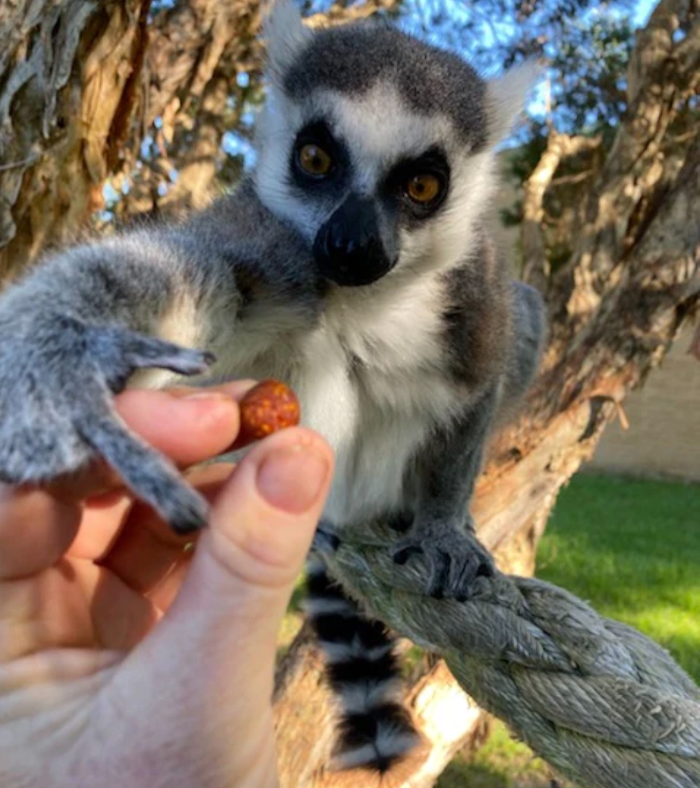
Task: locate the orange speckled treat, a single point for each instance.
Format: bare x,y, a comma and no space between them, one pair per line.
266,408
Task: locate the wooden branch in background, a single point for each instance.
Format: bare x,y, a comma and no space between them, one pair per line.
559,146
619,204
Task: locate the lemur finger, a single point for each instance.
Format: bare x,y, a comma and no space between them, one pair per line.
120,351
440,567
484,565
486,568
142,351
439,564
464,573
147,474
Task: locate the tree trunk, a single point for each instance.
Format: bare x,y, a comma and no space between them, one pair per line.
534,248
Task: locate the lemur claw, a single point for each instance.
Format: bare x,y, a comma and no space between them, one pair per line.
455,559
119,352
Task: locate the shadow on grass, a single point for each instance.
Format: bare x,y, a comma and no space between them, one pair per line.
298,595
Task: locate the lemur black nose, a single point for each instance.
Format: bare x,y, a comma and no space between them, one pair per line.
348,247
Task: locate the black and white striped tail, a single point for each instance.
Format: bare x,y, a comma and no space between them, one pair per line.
375,732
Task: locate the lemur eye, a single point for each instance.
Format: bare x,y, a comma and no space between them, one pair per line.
314,161
423,188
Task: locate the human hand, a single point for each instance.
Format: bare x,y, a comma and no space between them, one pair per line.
128,660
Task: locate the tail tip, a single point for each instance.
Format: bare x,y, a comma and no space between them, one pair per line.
392,746
383,771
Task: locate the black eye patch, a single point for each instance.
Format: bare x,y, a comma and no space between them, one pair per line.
405,185
315,142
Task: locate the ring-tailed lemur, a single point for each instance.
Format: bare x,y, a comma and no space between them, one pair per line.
355,265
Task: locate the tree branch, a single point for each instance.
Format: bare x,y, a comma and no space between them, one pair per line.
559,147
619,201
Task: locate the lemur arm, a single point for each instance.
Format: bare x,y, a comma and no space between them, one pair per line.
441,526
450,463
71,334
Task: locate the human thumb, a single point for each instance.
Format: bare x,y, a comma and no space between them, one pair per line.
217,642
260,530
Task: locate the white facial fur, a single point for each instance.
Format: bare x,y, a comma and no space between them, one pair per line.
276,129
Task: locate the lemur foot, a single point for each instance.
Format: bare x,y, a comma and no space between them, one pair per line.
56,411
455,559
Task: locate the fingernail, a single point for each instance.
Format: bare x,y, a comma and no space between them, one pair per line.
291,479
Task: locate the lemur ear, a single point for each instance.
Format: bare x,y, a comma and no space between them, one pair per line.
286,36
506,96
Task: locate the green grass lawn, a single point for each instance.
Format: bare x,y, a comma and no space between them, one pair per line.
632,549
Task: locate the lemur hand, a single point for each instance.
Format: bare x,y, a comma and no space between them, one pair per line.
455,557
57,378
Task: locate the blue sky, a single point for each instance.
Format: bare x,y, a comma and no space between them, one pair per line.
642,11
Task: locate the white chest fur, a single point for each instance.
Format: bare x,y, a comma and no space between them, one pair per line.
371,380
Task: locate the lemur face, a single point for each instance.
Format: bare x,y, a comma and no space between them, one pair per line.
365,175
377,147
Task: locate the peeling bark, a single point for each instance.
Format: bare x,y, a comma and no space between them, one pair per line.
67,76
660,75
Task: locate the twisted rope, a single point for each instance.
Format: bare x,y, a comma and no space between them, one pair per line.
598,700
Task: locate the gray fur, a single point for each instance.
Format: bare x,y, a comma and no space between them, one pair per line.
404,376
67,344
